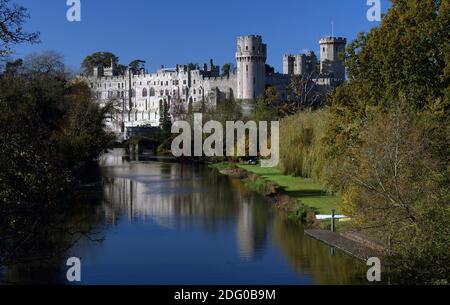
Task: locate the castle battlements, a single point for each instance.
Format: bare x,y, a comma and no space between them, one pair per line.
143,94
334,40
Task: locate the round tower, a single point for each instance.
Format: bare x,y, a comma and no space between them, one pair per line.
330,63
251,58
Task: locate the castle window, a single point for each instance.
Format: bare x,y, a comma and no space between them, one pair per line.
246,48
195,91
184,82
144,92
152,92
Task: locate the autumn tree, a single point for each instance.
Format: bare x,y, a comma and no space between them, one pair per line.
387,137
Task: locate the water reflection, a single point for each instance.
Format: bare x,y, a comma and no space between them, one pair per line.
168,223
183,197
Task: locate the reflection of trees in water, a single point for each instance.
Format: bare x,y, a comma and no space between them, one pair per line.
173,195
185,196
35,244
309,256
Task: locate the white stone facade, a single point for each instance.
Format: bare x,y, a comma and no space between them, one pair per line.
194,86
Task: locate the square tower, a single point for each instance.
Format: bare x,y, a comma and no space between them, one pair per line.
330,61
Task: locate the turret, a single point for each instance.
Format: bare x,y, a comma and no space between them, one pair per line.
251,58
330,63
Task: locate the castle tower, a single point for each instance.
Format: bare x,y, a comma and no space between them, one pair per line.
251,58
330,48
288,64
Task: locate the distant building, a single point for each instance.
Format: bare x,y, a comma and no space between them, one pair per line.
140,97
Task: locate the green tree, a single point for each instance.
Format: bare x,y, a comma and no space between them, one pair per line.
272,107
96,59
136,65
270,70
165,120
227,69
49,125
387,137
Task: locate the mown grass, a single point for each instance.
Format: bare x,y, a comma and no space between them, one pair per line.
220,166
304,190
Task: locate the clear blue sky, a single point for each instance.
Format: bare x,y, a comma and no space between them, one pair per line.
180,31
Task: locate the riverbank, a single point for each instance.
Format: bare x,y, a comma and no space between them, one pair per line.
304,191
303,199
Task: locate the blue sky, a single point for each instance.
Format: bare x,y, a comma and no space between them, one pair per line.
180,31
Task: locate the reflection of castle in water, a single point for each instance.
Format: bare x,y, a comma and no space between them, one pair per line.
181,197
252,232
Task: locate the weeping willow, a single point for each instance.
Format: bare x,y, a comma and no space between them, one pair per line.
301,147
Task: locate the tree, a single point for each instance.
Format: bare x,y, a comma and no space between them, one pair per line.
136,65
398,192
192,66
12,18
408,50
270,70
305,93
165,119
272,107
45,113
49,127
13,67
46,63
387,137
227,69
178,109
96,59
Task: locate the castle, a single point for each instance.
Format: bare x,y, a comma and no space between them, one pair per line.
142,96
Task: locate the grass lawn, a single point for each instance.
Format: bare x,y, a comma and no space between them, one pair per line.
219,166
305,190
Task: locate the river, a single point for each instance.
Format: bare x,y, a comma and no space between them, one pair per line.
153,222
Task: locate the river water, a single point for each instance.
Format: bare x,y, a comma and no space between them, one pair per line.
155,222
